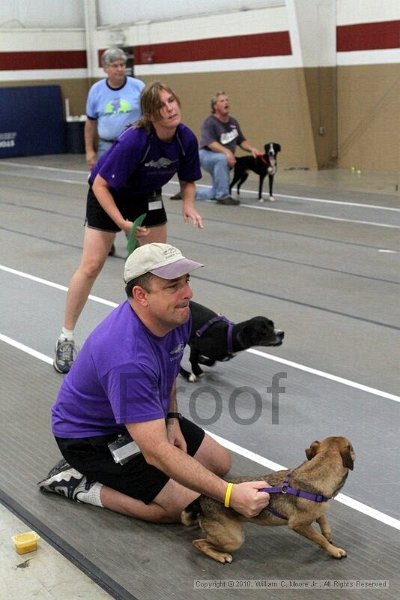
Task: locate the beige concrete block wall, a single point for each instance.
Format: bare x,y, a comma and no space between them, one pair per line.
358,106
271,106
369,117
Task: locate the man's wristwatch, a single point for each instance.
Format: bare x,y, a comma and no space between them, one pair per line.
174,415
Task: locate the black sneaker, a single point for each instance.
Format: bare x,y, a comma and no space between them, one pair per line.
68,483
228,201
62,465
65,355
177,196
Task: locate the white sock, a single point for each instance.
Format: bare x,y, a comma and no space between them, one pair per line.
67,334
90,496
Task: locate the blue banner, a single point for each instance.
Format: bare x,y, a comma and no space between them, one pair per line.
31,121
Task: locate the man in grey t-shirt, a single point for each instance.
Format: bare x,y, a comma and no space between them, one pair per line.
220,136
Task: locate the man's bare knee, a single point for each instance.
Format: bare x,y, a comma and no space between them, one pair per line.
213,456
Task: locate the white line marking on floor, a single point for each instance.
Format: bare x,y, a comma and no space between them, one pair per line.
283,361
340,202
26,349
350,502
315,216
42,168
336,378
57,286
253,192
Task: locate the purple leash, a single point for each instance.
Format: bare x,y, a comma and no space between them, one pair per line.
286,489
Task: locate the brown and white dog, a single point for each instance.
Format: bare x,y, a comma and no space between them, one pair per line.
300,498
263,165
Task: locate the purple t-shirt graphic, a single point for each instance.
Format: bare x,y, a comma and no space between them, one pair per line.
140,163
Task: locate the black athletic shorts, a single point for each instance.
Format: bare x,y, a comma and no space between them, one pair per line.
136,478
130,208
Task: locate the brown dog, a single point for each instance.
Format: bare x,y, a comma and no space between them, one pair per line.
319,478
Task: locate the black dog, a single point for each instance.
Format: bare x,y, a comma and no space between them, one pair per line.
263,165
215,338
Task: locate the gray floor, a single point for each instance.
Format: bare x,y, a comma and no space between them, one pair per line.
322,262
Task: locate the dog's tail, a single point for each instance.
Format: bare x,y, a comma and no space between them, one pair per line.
190,515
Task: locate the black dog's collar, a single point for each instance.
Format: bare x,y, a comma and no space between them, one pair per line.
229,332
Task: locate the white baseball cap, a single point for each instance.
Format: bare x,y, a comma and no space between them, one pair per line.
162,260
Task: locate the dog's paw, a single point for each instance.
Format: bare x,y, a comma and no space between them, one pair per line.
209,550
192,378
336,552
221,557
271,199
224,557
185,374
261,200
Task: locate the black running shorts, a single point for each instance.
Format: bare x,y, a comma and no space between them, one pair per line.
130,208
136,478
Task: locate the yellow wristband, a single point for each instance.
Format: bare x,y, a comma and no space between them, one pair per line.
228,493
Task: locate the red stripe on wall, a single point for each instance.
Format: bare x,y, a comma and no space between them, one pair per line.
262,44
364,36
368,36
18,61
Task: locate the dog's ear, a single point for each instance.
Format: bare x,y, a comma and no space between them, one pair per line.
246,336
312,450
256,331
348,456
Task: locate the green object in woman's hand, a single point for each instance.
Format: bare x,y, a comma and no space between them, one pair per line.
132,240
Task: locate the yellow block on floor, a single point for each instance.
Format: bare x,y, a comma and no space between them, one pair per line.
26,542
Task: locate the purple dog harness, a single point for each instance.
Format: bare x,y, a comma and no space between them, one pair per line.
229,336
286,489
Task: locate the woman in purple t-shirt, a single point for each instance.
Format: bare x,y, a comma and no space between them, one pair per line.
126,183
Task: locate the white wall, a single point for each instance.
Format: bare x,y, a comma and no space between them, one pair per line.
58,25
111,13
114,12
350,12
41,13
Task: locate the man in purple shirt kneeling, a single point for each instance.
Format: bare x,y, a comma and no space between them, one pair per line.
125,446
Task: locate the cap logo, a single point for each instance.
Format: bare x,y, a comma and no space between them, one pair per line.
171,252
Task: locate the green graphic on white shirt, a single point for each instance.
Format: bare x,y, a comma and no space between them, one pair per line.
117,106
